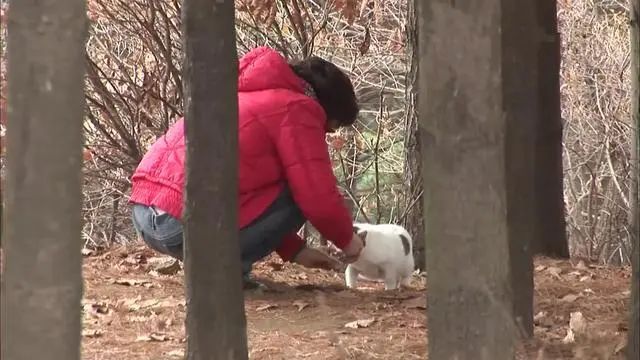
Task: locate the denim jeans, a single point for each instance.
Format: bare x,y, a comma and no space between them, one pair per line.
163,233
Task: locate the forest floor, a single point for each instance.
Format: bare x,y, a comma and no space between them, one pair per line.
134,309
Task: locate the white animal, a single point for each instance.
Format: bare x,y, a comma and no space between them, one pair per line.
387,255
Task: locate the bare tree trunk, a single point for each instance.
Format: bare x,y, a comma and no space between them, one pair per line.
42,279
550,227
216,324
634,198
477,110
414,217
520,109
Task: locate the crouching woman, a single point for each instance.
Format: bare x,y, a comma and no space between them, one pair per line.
285,178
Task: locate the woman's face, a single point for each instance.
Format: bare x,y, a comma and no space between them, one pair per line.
332,125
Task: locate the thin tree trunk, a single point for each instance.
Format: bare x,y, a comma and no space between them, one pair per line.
477,113
550,237
634,198
414,217
216,324
42,279
520,108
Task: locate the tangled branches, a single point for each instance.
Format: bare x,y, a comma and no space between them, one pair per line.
595,95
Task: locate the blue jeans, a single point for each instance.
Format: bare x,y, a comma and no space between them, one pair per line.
164,233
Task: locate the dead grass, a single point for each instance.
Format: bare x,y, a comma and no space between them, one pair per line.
133,312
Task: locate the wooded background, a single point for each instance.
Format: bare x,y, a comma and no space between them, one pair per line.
134,92
488,153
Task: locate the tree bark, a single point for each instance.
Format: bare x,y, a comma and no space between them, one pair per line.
216,324
550,227
520,109
477,103
634,198
42,278
414,217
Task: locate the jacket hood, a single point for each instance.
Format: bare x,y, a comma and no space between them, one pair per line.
264,69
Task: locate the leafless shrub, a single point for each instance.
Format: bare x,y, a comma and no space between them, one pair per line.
596,110
134,93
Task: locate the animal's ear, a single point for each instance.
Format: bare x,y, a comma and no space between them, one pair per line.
356,229
405,244
363,236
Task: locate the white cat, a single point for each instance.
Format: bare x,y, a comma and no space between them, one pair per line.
387,255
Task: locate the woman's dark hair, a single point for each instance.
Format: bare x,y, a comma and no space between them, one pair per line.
332,88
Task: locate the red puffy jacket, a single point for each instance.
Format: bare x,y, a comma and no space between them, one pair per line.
281,139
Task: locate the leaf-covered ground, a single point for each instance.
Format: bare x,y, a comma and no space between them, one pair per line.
134,311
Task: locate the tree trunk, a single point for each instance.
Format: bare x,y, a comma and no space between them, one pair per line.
414,217
550,237
520,109
634,198
42,279
216,324
477,104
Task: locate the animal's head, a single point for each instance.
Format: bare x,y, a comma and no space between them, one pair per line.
362,234
404,240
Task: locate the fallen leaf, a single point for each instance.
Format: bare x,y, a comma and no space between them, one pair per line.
621,346
577,323
266,307
569,298
301,305
418,325
96,309
364,323
176,353
135,259
540,268
87,252
131,282
153,337
554,271
585,278
569,338
577,327
127,303
144,304
588,291
301,276
416,303
93,333
581,265
170,268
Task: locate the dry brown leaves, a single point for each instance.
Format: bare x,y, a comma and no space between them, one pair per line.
329,321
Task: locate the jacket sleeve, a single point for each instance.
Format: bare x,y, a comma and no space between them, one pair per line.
290,247
303,151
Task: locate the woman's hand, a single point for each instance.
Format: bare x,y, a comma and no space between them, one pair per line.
353,250
314,258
